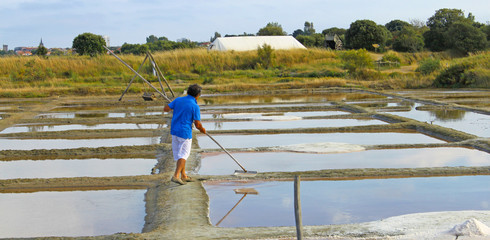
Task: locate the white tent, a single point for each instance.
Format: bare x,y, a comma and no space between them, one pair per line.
253,42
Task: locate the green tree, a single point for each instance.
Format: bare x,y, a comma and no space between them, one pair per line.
486,29
298,32
396,25
407,40
466,38
365,33
89,44
272,29
436,39
309,29
334,30
216,35
136,49
151,39
41,50
307,41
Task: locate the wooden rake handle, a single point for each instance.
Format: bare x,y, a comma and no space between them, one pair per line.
229,154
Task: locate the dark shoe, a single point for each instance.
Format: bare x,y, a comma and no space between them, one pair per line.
188,179
177,180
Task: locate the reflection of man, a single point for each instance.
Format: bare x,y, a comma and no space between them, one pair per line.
185,113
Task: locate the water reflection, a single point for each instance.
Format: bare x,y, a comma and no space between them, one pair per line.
71,214
97,115
284,98
258,115
75,168
47,128
221,164
269,140
304,123
446,115
465,121
343,202
30,144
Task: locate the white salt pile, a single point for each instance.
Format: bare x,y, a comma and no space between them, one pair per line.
323,147
470,227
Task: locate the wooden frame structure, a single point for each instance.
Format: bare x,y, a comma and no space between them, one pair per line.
156,70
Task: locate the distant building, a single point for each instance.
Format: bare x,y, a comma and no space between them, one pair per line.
41,43
5,48
107,40
333,42
250,43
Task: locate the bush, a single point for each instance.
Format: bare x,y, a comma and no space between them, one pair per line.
265,57
32,73
356,60
208,80
456,76
391,57
428,66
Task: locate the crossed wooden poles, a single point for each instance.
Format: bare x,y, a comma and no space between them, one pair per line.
155,69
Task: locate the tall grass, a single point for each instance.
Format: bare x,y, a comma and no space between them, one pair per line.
104,74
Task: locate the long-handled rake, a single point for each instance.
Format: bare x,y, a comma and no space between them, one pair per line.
244,173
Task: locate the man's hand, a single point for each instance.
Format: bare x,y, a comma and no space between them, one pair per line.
199,126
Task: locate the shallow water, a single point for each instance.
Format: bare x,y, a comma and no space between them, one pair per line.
95,115
30,144
258,115
224,107
70,214
283,98
75,168
343,202
465,121
48,128
269,140
302,123
222,164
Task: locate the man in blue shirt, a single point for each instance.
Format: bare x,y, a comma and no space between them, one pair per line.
185,113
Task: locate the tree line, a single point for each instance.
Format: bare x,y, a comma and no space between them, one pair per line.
447,29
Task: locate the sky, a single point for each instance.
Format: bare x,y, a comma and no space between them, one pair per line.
58,22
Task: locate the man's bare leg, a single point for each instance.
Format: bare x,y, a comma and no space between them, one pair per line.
180,169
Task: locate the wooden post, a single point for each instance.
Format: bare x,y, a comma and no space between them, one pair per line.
297,208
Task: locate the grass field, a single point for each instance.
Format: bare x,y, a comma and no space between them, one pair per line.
223,71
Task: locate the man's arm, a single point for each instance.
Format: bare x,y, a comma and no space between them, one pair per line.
167,108
199,126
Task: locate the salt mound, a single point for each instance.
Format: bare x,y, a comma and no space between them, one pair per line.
323,147
470,227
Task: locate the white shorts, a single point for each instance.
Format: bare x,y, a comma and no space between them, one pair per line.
181,147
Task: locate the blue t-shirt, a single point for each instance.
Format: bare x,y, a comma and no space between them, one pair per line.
185,111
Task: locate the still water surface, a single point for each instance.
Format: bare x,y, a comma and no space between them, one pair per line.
71,214
222,164
465,121
343,202
31,144
75,168
302,123
269,140
47,128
